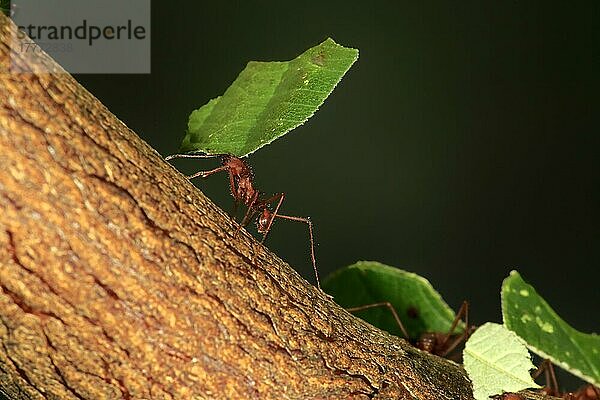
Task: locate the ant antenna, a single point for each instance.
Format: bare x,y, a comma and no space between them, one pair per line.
547,368
463,311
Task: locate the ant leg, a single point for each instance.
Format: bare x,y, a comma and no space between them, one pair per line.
535,374
281,197
249,213
456,342
234,194
204,174
312,243
463,311
390,307
172,156
551,382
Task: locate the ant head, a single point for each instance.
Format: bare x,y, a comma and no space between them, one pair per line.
237,166
262,222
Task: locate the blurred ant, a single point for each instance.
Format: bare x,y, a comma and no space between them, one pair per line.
587,392
440,344
243,191
508,396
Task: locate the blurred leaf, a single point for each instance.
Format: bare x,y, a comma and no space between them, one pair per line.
497,361
267,100
5,7
419,306
525,312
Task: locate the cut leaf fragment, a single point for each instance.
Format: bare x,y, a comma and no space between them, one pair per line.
419,305
497,361
267,100
527,314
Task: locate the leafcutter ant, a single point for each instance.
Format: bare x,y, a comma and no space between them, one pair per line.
243,191
438,343
587,392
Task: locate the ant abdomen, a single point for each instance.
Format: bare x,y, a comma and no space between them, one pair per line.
262,221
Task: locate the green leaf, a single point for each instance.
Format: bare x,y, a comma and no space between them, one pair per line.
527,313
5,7
267,100
419,306
497,361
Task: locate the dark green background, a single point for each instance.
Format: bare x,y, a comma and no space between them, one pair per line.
462,144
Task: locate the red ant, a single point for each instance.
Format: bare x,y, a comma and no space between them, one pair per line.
440,344
242,190
508,396
587,392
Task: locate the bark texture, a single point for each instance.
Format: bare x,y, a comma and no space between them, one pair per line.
120,280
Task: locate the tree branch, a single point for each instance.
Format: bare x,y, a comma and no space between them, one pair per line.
119,279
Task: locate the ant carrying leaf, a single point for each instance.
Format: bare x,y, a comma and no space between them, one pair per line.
420,307
441,344
586,392
267,100
551,388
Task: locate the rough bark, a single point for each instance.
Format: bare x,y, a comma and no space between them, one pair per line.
120,279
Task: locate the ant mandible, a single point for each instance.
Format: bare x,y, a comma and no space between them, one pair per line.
243,191
440,344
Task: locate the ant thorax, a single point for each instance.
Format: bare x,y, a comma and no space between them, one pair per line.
246,192
241,179
236,166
